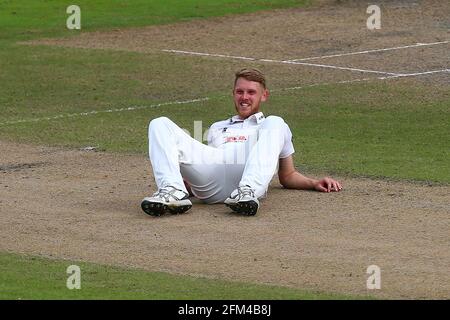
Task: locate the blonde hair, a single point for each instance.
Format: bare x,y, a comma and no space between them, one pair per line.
251,75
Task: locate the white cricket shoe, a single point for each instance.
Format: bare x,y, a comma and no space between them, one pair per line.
166,199
243,200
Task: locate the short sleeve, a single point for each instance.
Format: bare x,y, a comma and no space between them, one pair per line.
288,147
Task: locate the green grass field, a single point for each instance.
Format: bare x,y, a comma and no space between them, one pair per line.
28,277
342,129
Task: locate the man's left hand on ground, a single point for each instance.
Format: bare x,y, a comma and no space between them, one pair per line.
327,185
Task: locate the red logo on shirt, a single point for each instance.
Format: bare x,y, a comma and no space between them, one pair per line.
236,139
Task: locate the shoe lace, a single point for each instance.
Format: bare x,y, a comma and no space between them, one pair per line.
245,191
166,193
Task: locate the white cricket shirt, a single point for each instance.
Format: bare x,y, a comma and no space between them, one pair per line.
235,132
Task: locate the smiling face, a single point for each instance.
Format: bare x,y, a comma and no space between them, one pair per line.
248,96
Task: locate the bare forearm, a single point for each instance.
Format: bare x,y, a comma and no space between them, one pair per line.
292,179
298,181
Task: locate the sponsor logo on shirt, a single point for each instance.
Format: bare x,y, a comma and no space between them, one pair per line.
235,139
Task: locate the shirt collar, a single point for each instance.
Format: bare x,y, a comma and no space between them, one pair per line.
258,117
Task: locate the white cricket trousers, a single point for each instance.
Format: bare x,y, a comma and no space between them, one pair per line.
213,173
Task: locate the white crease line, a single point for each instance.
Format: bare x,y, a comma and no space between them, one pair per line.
276,61
418,73
330,66
71,115
370,51
208,54
362,80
